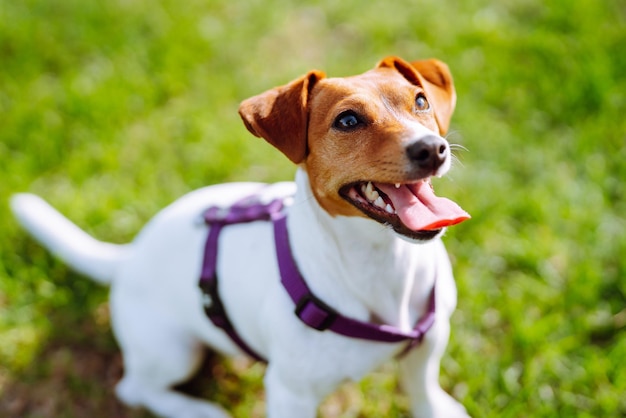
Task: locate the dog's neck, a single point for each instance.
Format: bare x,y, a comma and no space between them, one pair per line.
368,271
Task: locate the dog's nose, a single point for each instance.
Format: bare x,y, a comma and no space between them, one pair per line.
428,153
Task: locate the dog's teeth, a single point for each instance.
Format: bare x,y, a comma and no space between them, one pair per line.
397,185
389,208
379,202
370,193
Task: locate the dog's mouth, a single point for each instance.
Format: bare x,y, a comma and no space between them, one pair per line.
411,209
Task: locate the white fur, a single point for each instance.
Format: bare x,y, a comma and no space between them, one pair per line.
354,264
96,259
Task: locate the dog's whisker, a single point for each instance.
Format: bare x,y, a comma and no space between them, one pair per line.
456,160
455,146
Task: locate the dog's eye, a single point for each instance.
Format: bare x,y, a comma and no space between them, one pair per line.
347,121
421,103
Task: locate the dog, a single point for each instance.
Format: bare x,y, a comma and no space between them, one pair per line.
362,225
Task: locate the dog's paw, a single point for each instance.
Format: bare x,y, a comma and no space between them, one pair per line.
440,405
166,403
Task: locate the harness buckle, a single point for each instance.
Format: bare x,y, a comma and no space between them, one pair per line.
212,304
315,313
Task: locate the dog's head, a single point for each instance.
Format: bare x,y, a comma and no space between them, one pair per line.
369,143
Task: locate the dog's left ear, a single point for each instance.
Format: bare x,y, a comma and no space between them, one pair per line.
434,76
280,115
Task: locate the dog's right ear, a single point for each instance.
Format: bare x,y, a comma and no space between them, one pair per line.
280,115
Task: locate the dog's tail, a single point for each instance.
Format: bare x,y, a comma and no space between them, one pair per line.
95,259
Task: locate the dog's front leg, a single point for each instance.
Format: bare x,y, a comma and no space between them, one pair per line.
419,373
289,394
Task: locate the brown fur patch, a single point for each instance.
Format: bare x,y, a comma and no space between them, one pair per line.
298,119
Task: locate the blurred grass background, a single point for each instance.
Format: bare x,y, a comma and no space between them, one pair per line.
111,110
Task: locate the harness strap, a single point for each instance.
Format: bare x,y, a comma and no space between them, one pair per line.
316,314
309,308
246,210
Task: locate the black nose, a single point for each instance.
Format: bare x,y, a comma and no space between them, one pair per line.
428,153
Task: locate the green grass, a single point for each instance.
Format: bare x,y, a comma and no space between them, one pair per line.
111,110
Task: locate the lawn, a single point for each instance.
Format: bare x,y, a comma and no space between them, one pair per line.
112,109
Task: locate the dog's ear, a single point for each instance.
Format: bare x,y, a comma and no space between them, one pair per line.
280,115
440,88
434,76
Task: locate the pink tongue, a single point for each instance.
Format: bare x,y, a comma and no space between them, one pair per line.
419,209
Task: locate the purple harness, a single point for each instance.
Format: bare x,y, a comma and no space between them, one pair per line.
310,309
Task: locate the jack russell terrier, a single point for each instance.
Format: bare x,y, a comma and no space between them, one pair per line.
324,279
